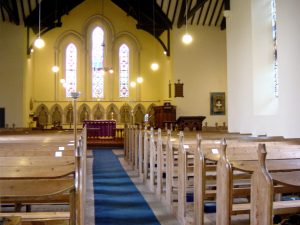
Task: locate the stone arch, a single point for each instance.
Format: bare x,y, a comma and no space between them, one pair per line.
42,113
84,113
98,112
112,112
125,114
88,28
60,46
56,115
68,112
151,113
128,39
139,113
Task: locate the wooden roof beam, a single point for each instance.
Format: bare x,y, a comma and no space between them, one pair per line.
190,13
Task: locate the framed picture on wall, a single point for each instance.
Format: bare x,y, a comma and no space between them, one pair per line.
217,103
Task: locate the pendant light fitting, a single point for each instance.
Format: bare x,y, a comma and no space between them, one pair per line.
186,38
39,42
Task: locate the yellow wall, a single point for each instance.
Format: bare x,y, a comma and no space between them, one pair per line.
12,64
201,66
76,21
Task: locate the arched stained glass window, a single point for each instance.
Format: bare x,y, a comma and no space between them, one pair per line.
71,69
124,71
97,63
275,61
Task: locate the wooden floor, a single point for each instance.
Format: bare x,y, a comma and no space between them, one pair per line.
53,139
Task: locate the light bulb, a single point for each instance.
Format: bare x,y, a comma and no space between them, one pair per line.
111,71
140,80
39,42
132,84
55,69
154,66
187,38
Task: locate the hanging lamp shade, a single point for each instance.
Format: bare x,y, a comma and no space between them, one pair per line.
154,66
39,42
187,38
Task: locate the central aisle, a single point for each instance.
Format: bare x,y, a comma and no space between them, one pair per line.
117,200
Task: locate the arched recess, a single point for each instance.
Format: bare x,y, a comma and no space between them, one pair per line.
84,113
139,113
151,113
98,112
125,114
42,113
106,26
112,112
68,112
60,46
56,115
134,63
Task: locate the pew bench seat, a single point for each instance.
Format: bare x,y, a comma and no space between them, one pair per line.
279,207
30,172
37,191
38,216
36,161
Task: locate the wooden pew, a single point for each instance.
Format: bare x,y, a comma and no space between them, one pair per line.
146,155
140,152
185,209
42,190
263,206
35,167
201,168
169,165
27,153
36,161
11,220
160,165
247,161
31,172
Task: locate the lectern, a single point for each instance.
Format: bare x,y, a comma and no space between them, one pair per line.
164,114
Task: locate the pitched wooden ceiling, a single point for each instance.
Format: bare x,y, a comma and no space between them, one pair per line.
26,12
153,16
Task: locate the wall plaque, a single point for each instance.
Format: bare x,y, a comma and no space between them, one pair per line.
178,89
217,103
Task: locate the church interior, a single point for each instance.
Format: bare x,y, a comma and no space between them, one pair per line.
143,85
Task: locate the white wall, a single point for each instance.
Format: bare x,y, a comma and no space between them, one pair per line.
13,56
239,69
288,18
201,66
253,108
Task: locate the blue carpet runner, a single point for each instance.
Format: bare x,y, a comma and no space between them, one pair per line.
117,200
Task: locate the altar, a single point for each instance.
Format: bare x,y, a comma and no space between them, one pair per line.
192,122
